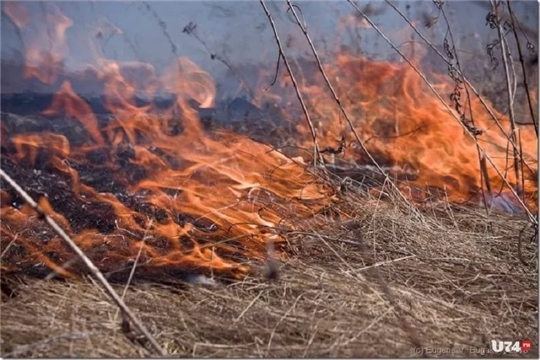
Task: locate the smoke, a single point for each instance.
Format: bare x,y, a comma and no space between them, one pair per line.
238,31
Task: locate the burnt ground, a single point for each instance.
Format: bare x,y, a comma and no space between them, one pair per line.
105,171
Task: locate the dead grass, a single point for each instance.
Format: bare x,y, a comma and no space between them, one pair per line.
454,273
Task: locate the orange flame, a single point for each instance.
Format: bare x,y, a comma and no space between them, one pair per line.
405,125
203,200
155,181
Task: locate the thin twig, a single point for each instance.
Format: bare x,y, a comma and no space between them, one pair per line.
522,61
281,320
93,269
9,245
191,29
58,270
484,175
132,272
317,153
248,307
387,262
504,54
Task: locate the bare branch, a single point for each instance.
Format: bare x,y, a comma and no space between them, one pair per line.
509,91
317,153
521,60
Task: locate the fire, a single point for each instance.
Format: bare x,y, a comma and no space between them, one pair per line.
405,126
154,183
148,180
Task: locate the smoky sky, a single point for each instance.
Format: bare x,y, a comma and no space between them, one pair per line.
239,31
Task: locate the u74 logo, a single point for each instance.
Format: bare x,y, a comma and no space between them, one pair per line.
499,346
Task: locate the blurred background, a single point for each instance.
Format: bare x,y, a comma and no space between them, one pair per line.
223,36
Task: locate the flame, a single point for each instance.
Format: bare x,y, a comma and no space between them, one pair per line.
156,182
404,125
149,180
204,199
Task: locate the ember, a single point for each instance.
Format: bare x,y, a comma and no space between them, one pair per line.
130,172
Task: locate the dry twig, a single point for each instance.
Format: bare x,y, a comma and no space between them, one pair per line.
522,62
317,153
510,94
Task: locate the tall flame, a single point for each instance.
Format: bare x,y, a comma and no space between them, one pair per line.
404,124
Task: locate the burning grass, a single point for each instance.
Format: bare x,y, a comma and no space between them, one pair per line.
170,201
371,286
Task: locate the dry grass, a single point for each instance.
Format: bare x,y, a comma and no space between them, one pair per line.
455,275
